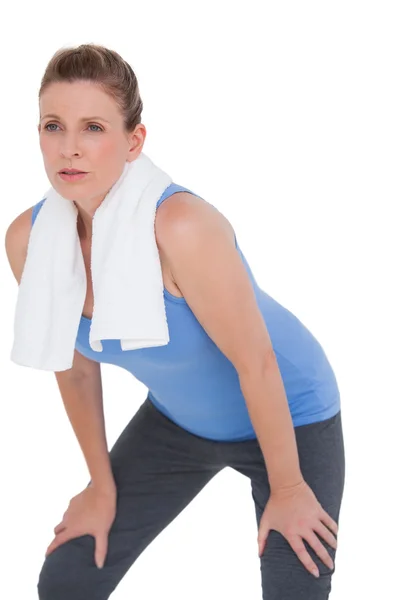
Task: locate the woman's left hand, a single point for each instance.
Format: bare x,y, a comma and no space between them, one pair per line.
296,513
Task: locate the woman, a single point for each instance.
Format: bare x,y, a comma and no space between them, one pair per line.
242,383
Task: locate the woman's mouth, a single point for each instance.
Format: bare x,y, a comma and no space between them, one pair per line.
65,176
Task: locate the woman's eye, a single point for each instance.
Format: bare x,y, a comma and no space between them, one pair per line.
50,124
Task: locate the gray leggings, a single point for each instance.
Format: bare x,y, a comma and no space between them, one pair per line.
159,468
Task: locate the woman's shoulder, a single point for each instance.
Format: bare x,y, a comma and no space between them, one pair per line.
184,208
16,241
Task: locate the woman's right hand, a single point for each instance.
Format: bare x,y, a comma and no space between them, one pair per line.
91,512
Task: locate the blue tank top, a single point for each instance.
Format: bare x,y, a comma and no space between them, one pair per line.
193,383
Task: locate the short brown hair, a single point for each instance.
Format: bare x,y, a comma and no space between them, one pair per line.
105,67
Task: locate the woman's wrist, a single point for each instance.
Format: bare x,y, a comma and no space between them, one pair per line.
107,488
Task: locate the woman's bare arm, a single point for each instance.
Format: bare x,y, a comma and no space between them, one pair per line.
82,396
80,387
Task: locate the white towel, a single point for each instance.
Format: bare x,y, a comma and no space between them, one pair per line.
126,273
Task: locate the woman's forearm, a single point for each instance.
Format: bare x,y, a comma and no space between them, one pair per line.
268,408
83,401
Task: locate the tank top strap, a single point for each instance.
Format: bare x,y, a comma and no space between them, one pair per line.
36,209
172,189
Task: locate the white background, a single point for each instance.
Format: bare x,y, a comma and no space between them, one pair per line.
285,116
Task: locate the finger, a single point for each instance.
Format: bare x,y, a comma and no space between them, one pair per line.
262,540
101,549
329,522
319,548
61,538
60,527
325,534
50,548
298,546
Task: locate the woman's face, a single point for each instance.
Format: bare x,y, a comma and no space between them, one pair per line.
87,134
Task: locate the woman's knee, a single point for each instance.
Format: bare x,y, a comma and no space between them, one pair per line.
70,573
285,576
